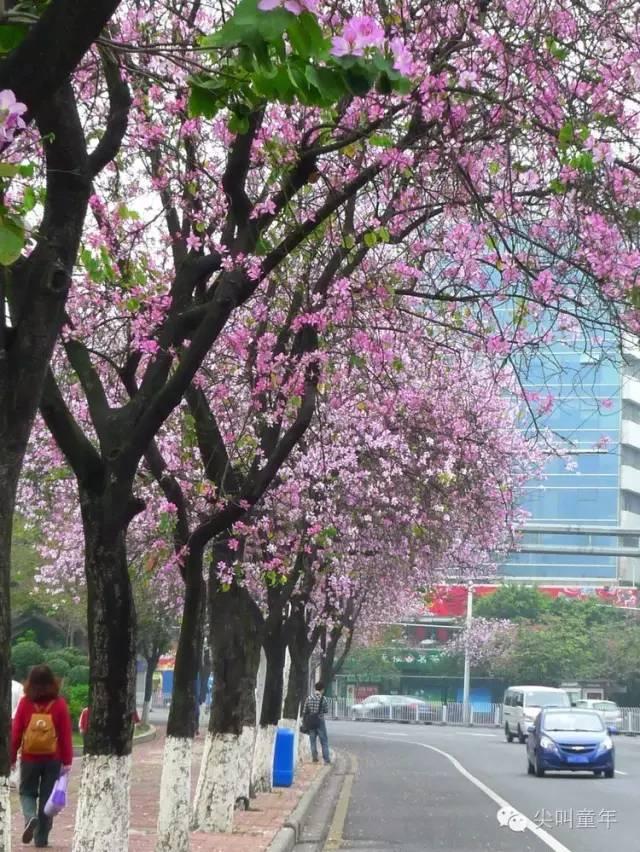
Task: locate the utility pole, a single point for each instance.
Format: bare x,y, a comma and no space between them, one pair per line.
466,706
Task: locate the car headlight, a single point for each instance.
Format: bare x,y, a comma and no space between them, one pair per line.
606,744
548,744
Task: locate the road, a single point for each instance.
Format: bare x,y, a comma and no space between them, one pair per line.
423,788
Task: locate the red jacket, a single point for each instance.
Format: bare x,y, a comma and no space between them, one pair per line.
61,721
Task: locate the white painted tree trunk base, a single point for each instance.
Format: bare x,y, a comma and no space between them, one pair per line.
146,710
102,817
245,759
262,772
175,794
5,814
304,749
217,784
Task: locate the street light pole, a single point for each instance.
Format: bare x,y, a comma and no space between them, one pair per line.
466,707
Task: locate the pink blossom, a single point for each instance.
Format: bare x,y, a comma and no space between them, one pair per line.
403,60
11,111
296,7
360,33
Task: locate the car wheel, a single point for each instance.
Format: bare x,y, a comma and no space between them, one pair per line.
508,733
609,773
522,737
530,769
539,770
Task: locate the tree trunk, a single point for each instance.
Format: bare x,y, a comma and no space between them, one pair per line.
297,686
152,664
7,495
275,646
235,627
175,785
102,821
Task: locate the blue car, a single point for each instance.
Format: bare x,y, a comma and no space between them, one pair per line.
570,741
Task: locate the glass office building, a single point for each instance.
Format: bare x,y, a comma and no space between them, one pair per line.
587,486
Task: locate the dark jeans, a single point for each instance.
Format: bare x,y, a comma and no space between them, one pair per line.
320,733
36,783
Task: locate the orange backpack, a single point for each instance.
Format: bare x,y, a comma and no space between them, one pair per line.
40,737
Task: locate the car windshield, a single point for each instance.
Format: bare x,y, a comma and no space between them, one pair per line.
573,722
546,699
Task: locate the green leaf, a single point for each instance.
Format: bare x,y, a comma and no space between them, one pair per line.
381,140
203,102
383,234
583,162
305,36
328,82
8,170
370,239
566,134
633,215
28,199
359,79
557,186
11,35
238,123
11,241
349,241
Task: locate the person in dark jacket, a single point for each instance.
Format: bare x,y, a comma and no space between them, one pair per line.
41,730
315,709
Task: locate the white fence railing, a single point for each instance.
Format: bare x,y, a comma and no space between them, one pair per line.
482,714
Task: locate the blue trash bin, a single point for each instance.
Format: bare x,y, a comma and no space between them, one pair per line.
283,758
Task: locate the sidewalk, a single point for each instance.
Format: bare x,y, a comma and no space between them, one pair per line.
254,829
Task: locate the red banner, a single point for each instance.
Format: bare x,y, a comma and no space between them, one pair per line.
452,600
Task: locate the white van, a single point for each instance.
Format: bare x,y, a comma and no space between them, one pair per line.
523,703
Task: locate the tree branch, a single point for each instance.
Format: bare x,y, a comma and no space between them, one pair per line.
53,48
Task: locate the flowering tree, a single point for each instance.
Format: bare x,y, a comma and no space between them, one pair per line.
464,172
485,640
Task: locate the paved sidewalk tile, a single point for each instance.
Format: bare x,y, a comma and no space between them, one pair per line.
253,829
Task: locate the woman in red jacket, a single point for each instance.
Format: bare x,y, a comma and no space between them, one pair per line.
42,730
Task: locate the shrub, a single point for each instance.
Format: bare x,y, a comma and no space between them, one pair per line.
59,666
24,656
74,656
77,698
78,675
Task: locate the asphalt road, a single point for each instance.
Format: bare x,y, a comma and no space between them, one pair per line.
423,788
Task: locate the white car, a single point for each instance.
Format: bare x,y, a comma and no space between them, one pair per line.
609,711
396,708
522,705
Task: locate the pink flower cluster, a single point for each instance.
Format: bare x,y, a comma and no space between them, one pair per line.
360,33
296,7
11,112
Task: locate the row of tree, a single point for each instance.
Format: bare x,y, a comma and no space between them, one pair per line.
266,273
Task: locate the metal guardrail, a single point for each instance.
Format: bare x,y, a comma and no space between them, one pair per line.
482,715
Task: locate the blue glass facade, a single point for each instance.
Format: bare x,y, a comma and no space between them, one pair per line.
584,488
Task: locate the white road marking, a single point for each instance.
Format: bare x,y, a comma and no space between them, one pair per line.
395,734
619,772
539,832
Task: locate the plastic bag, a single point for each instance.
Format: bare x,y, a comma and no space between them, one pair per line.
58,798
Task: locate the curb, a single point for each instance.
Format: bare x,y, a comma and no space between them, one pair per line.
286,839
142,738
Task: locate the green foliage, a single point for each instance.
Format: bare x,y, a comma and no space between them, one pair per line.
12,238
24,656
73,656
27,636
572,640
513,602
78,675
279,56
59,666
77,697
